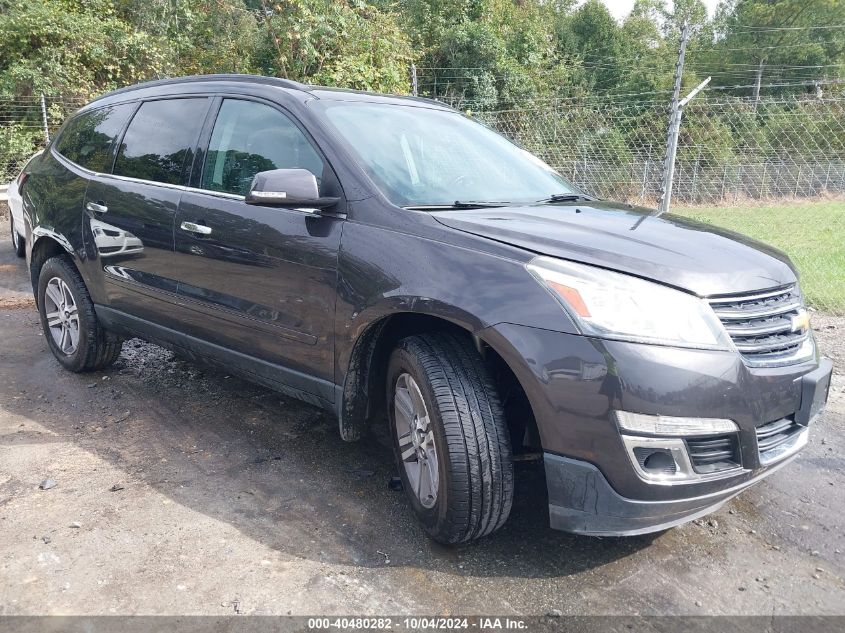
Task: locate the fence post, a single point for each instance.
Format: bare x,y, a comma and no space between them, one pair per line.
414,79
695,175
763,183
44,118
586,165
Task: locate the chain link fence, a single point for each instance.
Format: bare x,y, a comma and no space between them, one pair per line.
25,123
740,164
729,151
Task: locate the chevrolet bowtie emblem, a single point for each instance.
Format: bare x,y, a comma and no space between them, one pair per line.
801,321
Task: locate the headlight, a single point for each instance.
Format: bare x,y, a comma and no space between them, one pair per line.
616,306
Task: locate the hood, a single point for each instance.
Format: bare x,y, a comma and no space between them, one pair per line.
690,255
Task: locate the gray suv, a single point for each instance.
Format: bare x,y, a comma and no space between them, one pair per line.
394,262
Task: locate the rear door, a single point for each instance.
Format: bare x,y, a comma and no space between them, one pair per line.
130,213
260,280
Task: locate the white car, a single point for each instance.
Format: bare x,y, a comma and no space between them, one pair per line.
16,207
111,240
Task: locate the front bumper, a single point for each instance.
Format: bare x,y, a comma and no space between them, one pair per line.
576,383
581,501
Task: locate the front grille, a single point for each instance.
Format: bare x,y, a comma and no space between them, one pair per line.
767,328
774,439
714,453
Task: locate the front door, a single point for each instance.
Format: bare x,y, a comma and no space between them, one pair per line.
130,213
259,280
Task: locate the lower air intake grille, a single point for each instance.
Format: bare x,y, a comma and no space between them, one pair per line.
714,453
775,438
768,328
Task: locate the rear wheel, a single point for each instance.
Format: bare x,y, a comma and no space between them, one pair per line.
18,243
70,325
450,438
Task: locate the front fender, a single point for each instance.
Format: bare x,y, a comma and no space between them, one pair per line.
382,272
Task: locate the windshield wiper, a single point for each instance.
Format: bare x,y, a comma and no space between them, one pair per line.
458,204
566,197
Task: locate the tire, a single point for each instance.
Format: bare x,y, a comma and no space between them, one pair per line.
95,348
18,243
474,488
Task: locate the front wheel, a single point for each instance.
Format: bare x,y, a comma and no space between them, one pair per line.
450,439
18,243
70,325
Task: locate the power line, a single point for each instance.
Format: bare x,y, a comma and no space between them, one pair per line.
765,29
789,65
756,48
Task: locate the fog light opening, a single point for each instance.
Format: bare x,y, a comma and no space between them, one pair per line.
656,461
660,462
665,460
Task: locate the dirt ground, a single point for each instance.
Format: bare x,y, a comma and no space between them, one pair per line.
185,491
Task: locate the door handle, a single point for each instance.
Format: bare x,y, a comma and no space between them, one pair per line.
190,227
96,207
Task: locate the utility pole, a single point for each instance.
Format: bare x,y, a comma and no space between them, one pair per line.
674,127
757,82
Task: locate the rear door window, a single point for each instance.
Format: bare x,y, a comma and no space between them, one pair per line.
87,139
160,141
250,137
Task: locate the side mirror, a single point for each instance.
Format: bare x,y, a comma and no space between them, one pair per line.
289,188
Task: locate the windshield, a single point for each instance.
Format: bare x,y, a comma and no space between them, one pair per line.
422,156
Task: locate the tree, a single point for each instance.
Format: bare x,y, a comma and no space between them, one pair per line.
591,39
202,36
777,42
74,48
648,56
346,43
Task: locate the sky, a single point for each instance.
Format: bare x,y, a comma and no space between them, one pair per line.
621,8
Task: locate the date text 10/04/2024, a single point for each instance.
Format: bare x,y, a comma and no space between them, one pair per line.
419,623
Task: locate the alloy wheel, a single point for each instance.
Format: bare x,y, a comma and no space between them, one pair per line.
415,434
62,315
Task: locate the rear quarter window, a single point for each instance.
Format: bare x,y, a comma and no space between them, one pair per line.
87,139
160,140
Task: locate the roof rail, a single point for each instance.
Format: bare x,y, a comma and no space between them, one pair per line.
273,81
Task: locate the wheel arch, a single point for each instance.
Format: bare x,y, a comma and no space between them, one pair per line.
45,244
362,399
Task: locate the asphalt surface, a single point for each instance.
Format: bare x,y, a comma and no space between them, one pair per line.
182,490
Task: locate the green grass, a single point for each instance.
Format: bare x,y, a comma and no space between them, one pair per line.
811,233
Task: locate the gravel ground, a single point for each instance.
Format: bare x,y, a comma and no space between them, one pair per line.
181,490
